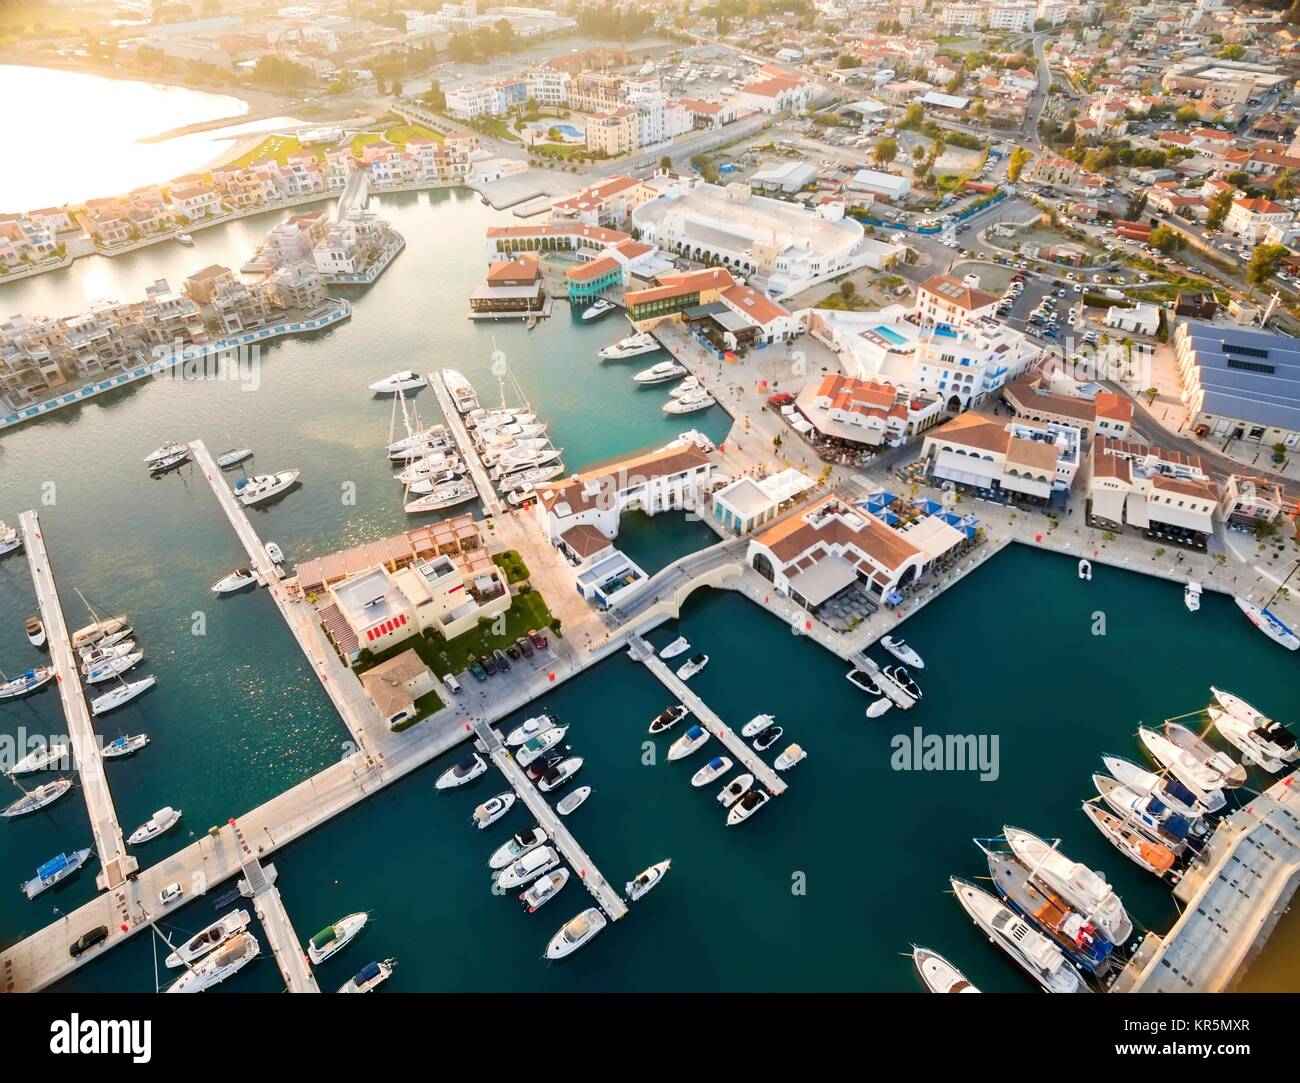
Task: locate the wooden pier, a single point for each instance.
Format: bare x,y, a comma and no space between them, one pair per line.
115,864
487,492
735,744
591,877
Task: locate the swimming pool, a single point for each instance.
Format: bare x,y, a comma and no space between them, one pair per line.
570,133
891,336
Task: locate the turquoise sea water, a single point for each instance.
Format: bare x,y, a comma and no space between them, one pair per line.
236,716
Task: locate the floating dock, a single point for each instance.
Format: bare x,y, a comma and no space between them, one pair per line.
735,744
487,492
601,889
115,864
895,692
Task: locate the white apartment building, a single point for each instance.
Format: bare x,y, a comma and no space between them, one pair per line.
963,16
1154,489
1014,17
1032,460
548,86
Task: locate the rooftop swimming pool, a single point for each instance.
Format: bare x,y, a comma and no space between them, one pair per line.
891,336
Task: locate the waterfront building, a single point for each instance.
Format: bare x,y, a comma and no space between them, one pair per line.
612,133
608,203
396,685
587,242
725,312
351,246
229,305
296,286
870,413
1239,382
1164,493
745,504
1108,413
512,286
1017,460
1256,504
292,240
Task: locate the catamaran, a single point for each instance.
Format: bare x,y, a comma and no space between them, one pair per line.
27,682
1083,888
36,799
575,933
42,759
369,977
1270,624
229,959
939,975
632,346
660,373
461,391
208,939
334,938
898,647
56,869
123,694
9,539
263,487
641,884
156,826
398,381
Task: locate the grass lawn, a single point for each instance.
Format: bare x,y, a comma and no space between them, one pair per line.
512,564
404,133
428,704
277,148
498,127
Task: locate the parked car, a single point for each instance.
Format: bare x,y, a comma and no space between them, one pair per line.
489,666
503,663
86,941
513,652
480,674
453,685
538,639
525,648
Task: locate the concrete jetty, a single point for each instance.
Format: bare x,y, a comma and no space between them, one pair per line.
258,884
642,651
591,877
115,864
896,693
487,492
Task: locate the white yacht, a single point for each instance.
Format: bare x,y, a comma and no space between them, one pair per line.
793,754
162,454
158,824
434,434
1167,788
124,693
689,386
528,868
1231,773
690,741
570,802
1192,596
1035,953
56,869
711,771
398,381
369,977
898,647
100,629
1153,856
334,938
466,769
212,937
1084,889
641,884
539,745
689,404
676,647
235,581
529,728
600,308
660,373
161,466
461,391
36,799
114,639
1274,738
43,759
93,656
939,975
233,457
446,495
526,479
433,483
274,552
112,667
692,666
750,802
517,846
544,889
575,933
1202,781
1261,746
488,813
734,790
262,487
558,775
9,539
1269,623
668,718
185,239
124,746
230,958
632,346
757,725
27,682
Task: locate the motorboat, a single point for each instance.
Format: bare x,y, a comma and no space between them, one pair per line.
274,552
157,825
123,694
370,977
209,939
1202,781
1148,814
162,466
38,798
234,457
1258,747
523,460
124,746
734,790
235,581
711,771
545,762
166,451
691,667
112,667
262,487
27,682
524,479
690,741
1085,570
939,975
903,679
1153,856
432,469
434,434
42,759
529,729
641,884
861,680
35,629
600,308
898,647
510,446
93,656
1192,596
444,483
398,381
1083,888
488,813
228,959
544,889
465,770
1231,773
334,938
632,346
557,776
517,846
528,868
689,404
1170,791
445,495
689,386
9,539
1269,623
1273,738
676,647
1037,955
185,239
98,630
520,497
462,392
57,868
879,707
576,932
793,754
570,802
536,746
767,738
749,803
668,718
757,725
422,450
660,373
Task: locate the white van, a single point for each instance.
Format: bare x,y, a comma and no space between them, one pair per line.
453,685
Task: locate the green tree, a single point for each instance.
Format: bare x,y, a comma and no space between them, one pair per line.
1186,114
1166,239
1232,52
1020,157
885,151
1218,208
1264,264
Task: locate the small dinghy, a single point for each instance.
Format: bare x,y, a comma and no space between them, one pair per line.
157,825
757,725
879,707
465,770
735,789
767,738
690,741
711,771
544,889
570,801
488,813
1192,597
792,755
680,645
643,883
1085,570
668,718
35,632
